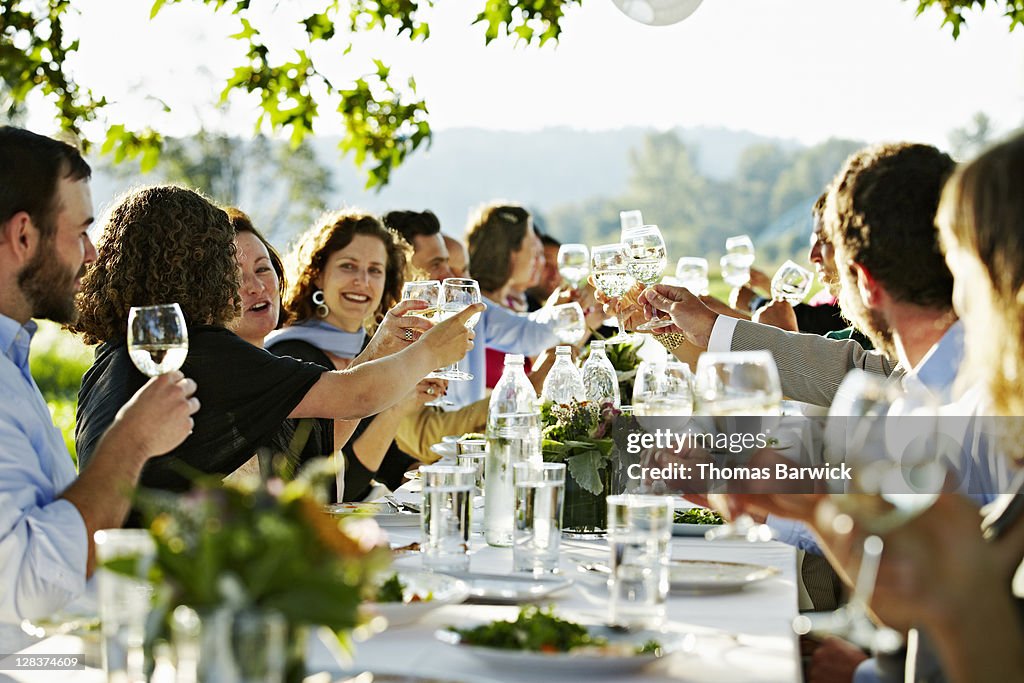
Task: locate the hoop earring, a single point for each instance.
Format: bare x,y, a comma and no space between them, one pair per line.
321,307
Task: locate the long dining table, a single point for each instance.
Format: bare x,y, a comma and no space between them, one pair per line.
734,637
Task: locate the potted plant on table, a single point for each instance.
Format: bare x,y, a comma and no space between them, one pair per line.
263,547
580,435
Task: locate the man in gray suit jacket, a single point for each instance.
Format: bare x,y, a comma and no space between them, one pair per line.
895,285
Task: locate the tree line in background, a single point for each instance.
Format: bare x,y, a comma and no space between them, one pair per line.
383,117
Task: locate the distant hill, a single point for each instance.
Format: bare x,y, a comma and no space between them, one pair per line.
552,167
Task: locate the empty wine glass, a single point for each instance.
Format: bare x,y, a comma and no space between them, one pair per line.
456,294
692,273
738,384
612,278
630,219
568,321
157,338
791,283
889,437
742,247
574,264
735,269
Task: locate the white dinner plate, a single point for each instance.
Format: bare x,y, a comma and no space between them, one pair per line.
382,513
709,576
434,591
692,529
510,589
385,677
616,659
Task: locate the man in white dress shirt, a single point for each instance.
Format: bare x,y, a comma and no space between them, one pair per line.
48,513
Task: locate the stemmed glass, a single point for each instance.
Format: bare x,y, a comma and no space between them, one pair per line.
738,384
742,247
890,439
157,338
791,283
735,269
428,291
630,219
648,258
568,321
662,389
692,273
574,264
608,265
456,294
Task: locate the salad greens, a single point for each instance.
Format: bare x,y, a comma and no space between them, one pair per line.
537,629
697,516
393,590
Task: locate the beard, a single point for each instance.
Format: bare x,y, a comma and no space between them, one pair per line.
48,284
869,321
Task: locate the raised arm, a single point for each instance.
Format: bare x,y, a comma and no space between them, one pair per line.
370,387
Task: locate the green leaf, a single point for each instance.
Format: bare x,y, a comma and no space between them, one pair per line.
585,470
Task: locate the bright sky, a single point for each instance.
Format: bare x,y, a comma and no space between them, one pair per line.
806,69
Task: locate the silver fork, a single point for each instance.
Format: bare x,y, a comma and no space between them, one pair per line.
399,505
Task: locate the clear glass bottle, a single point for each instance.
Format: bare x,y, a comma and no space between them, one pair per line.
600,383
564,383
513,435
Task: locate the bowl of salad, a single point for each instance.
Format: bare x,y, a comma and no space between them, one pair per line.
404,597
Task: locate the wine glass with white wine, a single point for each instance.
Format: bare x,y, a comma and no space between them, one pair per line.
157,338
456,294
791,283
427,291
612,278
648,258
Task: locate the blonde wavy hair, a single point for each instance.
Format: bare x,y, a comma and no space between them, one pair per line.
981,219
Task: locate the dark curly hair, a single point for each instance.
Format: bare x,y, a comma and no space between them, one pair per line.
495,231
160,245
881,212
332,232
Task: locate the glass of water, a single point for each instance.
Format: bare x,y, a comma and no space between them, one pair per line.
445,520
639,531
567,320
125,600
537,530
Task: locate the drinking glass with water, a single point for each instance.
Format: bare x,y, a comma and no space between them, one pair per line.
445,521
537,530
639,531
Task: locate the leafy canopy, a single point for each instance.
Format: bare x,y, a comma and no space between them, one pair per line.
384,119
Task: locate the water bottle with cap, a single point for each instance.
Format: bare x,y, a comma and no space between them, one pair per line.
600,383
564,383
513,435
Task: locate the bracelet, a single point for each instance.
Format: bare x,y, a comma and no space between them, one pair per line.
670,340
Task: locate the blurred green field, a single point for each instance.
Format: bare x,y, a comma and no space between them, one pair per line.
58,361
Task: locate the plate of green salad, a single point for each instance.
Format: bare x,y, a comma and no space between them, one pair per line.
694,521
539,639
404,597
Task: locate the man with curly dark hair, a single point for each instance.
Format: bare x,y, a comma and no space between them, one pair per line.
47,514
169,244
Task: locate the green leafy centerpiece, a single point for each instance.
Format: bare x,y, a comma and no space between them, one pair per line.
580,435
267,547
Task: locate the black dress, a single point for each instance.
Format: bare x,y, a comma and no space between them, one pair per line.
246,395
357,478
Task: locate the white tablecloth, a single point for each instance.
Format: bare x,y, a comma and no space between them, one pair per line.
742,637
